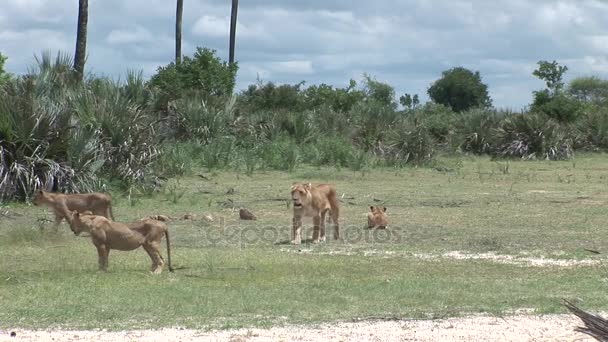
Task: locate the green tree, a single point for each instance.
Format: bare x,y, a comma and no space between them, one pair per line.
81,38
377,91
204,73
552,73
339,99
589,89
408,101
4,76
460,89
552,101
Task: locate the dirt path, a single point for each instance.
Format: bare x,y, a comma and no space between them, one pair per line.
483,328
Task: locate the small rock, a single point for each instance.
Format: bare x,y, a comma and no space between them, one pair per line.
189,216
162,218
245,214
208,218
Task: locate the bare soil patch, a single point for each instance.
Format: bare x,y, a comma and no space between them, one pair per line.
481,328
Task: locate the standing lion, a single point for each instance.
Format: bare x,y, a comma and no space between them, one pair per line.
97,203
314,201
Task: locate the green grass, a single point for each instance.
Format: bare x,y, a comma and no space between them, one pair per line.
234,274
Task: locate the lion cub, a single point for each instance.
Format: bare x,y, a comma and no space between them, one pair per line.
107,235
314,201
96,203
377,218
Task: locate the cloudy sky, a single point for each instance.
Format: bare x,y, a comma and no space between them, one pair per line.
406,43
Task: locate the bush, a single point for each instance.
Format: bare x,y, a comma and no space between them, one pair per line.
204,73
475,131
560,107
195,118
438,119
592,129
409,143
532,136
178,159
41,147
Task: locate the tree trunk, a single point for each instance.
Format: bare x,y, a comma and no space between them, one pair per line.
81,38
178,31
235,6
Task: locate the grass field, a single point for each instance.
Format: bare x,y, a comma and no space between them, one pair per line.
232,273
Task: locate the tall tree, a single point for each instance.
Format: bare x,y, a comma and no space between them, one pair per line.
235,6
81,38
178,31
461,89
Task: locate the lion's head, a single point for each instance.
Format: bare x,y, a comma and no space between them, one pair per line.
300,195
41,198
78,221
377,217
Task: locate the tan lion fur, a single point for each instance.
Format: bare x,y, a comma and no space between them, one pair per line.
107,235
314,201
377,218
95,202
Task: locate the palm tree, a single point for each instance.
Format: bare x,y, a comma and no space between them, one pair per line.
81,38
235,6
178,31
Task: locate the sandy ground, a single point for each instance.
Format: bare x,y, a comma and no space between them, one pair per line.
482,328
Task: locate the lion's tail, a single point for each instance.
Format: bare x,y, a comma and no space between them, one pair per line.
111,212
168,250
335,212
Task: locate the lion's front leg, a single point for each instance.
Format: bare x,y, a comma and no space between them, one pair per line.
322,226
316,222
103,253
296,233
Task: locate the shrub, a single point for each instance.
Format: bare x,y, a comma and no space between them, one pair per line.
41,146
195,118
532,136
592,129
204,73
408,144
475,131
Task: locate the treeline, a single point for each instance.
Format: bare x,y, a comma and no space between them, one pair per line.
63,134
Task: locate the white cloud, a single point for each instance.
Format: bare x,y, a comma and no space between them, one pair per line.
212,26
596,64
292,67
407,43
137,34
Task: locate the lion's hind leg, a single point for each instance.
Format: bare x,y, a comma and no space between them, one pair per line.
152,248
335,217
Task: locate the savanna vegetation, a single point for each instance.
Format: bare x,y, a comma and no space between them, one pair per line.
65,134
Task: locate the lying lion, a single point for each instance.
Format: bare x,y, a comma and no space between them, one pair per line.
107,235
314,201
97,203
377,218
